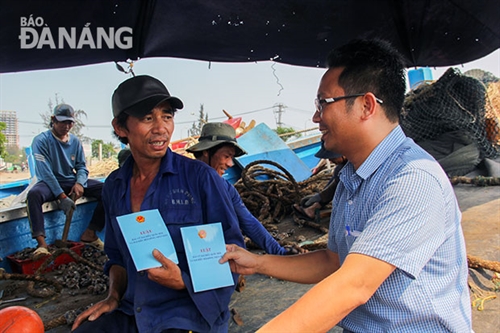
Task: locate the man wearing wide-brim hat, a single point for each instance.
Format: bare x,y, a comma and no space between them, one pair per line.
216,137
217,147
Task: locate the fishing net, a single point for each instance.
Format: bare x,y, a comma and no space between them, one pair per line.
456,102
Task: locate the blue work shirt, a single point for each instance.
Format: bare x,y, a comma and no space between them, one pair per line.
57,161
399,207
186,192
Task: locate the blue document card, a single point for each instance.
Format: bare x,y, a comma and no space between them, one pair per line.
143,232
205,245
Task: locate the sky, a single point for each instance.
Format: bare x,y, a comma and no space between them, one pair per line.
248,90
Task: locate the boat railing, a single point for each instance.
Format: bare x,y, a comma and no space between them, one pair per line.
19,211
299,131
304,141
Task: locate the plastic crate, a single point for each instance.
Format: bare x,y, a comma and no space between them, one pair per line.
419,76
29,266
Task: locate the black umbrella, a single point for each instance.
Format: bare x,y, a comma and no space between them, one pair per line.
52,34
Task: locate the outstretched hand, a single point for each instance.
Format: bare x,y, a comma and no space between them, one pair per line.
240,260
95,311
168,274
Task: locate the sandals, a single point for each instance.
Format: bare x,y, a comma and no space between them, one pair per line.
39,253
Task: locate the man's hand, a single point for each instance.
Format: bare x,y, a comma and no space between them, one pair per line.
66,205
91,314
168,275
240,260
310,199
77,191
294,249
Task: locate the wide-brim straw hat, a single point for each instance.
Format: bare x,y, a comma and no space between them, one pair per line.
214,134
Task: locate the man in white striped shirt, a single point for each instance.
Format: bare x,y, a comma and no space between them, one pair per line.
396,259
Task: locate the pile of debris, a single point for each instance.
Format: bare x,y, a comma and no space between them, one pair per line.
102,169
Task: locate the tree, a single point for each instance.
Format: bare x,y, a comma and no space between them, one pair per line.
77,128
108,149
283,133
14,155
3,140
202,120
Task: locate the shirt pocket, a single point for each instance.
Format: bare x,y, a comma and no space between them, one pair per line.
351,236
181,215
177,217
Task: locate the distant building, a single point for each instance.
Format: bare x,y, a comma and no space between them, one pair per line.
11,132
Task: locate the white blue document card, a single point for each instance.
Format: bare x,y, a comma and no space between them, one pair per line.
205,245
143,232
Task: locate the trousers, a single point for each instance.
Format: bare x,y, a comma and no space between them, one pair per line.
40,193
116,321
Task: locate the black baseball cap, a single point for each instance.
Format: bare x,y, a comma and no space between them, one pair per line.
64,112
139,95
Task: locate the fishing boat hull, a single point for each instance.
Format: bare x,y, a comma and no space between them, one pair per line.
15,231
13,188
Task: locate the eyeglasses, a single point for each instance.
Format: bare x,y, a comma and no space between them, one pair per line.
321,103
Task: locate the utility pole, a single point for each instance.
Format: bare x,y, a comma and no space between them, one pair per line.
278,112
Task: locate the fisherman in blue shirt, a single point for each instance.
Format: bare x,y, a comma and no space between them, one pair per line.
186,193
61,173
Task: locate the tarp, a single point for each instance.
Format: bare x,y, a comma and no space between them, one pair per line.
62,33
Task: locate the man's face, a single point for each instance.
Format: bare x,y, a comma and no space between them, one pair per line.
335,120
150,135
61,128
222,159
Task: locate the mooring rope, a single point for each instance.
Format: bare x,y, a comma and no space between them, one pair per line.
478,181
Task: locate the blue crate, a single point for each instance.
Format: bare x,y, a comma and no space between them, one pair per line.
419,76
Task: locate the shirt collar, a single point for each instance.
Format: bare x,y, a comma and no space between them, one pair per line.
384,149
166,166
167,162
65,139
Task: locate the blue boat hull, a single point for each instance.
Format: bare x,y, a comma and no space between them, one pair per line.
13,188
15,232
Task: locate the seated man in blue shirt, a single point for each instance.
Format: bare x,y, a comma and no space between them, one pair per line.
217,147
186,193
61,173
396,259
